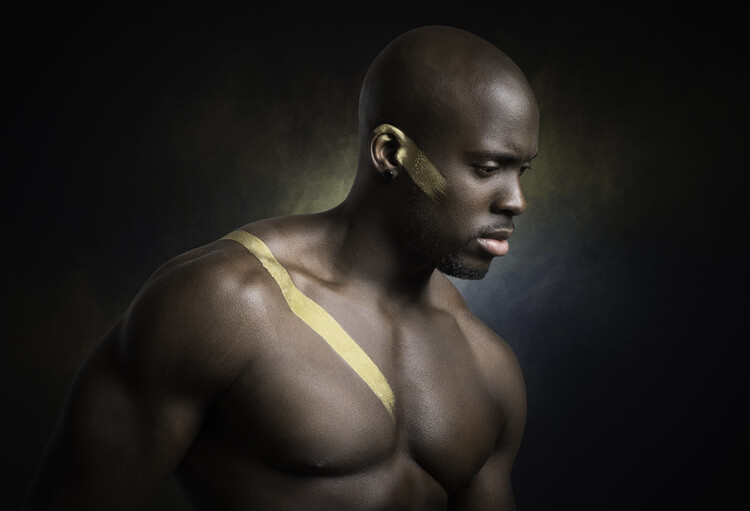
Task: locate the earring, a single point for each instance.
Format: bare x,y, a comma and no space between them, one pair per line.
388,175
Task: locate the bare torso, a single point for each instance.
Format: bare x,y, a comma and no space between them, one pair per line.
259,412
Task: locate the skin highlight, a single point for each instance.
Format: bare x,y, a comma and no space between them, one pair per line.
210,375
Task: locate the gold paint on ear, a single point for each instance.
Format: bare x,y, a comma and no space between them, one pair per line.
422,171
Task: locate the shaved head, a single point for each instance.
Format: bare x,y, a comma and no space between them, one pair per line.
431,80
447,125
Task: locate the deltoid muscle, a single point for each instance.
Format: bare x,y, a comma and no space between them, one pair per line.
319,320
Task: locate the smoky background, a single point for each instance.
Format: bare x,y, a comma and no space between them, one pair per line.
130,137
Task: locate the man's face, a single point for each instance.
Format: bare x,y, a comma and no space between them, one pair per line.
482,154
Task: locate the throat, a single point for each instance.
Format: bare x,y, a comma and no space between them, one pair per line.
367,252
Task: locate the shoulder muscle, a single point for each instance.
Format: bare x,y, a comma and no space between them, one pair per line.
194,321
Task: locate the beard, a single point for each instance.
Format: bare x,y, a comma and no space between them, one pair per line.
420,237
451,264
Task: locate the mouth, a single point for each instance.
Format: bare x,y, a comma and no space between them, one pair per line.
500,235
496,242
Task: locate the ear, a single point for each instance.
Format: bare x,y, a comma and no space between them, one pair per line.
383,154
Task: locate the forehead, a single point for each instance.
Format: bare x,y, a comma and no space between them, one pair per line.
500,117
496,116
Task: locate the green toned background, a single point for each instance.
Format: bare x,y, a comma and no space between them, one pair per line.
129,138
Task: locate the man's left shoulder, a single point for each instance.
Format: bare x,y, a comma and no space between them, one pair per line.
448,298
495,357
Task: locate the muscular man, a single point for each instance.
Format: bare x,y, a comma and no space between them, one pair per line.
324,361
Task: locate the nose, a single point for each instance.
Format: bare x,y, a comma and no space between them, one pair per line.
509,198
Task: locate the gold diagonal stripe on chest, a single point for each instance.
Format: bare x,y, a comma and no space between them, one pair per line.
319,320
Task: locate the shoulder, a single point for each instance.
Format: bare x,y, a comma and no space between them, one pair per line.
200,316
495,358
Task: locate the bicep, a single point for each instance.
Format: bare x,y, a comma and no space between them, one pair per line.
138,402
117,438
491,488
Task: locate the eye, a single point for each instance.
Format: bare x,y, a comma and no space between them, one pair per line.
524,169
485,170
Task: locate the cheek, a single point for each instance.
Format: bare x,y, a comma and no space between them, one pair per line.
465,197
456,217
456,213
465,190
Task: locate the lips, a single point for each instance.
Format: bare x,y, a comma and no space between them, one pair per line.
496,242
501,235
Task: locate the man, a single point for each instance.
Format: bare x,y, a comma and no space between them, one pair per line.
324,361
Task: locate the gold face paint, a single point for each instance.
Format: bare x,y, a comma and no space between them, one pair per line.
422,171
320,321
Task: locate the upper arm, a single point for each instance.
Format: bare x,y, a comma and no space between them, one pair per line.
491,488
137,402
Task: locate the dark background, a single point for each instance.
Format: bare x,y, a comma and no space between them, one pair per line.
130,137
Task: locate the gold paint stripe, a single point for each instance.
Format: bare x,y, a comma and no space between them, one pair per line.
320,321
424,174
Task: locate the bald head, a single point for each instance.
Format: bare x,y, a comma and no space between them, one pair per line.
432,80
448,124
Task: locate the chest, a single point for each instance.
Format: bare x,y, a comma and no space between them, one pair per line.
302,407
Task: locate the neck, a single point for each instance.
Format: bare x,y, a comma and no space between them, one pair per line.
365,249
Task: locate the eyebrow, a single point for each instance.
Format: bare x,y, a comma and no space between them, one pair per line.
498,156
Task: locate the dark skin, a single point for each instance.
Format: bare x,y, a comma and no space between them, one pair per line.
210,375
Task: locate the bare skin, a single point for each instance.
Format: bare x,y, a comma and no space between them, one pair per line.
210,375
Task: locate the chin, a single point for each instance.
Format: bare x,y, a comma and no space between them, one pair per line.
455,267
